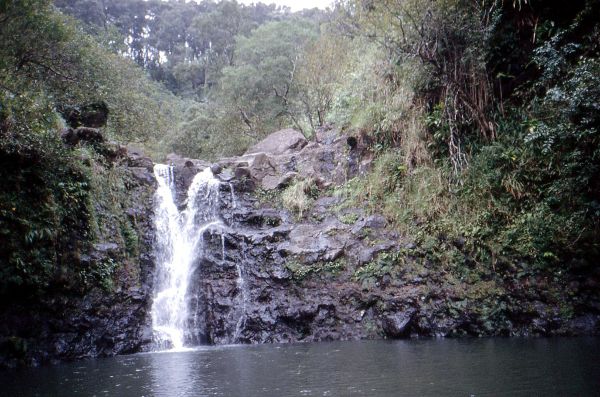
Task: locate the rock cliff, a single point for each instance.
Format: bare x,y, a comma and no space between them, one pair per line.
96,299
323,270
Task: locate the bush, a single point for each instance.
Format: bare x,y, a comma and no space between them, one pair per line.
299,196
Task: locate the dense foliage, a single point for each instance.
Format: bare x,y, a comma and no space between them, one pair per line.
46,61
495,153
49,209
183,44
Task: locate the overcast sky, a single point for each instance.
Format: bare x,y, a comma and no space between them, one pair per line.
295,5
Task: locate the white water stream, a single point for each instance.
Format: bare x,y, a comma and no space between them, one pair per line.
178,245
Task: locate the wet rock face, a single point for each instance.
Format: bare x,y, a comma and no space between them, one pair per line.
69,327
296,275
280,142
268,275
301,278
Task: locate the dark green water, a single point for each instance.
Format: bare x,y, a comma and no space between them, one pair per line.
477,367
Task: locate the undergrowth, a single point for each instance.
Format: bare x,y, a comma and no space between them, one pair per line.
299,196
301,271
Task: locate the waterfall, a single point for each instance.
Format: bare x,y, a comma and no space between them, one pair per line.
241,323
233,199
241,285
178,246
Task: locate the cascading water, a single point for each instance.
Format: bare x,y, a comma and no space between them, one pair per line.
178,245
241,285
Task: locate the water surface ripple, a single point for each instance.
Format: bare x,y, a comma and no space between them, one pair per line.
450,367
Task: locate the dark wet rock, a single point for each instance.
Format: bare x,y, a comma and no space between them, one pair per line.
242,172
265,243
65,323
73,327
94,115
312,243
397,325
69,137
91,135
137,158
226,175
216,169
142,175
588,324
72,137
352,142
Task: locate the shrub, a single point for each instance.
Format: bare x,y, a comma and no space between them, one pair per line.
299,196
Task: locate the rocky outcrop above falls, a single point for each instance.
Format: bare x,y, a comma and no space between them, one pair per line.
285,155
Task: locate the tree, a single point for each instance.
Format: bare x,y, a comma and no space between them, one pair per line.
46,60
322,68
261,86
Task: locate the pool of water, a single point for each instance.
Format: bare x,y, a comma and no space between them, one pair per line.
445,367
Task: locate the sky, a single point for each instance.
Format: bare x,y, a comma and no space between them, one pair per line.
295,5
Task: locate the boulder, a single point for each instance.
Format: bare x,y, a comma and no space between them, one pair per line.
142,175
113,151
271,182
216,169
180,162
94,115
397,325
88,134
242,173
312,243
69,137
137,158
280,142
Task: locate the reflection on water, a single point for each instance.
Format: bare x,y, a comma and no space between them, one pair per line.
171,373
468,367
